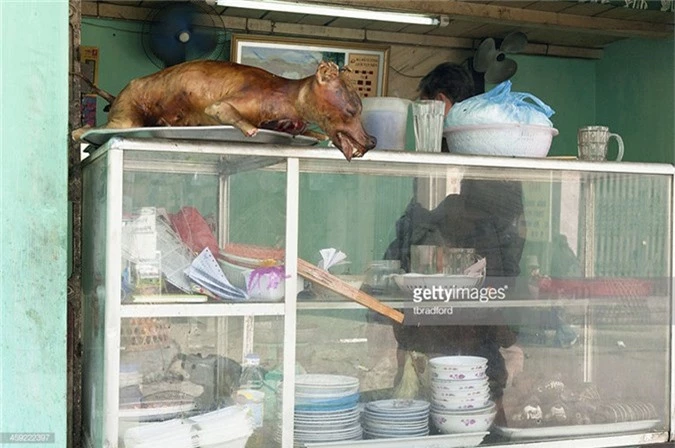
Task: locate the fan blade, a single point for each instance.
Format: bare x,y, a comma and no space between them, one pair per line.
500,71
168,27
484,55
174,19
202,42
514,42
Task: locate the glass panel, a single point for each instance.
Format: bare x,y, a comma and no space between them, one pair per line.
555,335
94,201
189,222
191,368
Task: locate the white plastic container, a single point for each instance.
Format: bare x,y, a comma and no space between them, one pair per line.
507,140
386,118
267,286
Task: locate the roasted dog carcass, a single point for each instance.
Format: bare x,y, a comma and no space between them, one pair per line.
202,93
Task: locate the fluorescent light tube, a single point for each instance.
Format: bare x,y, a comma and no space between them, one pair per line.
337,11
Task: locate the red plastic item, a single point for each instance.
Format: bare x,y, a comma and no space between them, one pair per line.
597,287
194,230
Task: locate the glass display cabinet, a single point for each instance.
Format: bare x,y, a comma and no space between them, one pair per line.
402,299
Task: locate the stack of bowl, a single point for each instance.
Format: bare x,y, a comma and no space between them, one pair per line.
460,394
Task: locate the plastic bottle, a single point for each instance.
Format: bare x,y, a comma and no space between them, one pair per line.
252,376
251,395
272,381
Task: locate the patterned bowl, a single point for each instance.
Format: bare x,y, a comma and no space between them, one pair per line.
457,368
460,387
460,403
453,422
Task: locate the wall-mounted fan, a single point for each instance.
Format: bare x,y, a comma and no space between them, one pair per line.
179,31
492,61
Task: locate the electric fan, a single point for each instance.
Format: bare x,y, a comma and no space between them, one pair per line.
182,31
492,61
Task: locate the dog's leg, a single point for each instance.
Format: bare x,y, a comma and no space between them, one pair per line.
77,134
225,113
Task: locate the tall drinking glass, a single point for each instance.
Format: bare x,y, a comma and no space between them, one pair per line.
428,118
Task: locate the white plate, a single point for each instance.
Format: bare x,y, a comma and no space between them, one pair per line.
99,137
440,441
398,407
325,426
397,419
395,426
393,434
324,381
344,413
410,282
316,393
348,412
575,430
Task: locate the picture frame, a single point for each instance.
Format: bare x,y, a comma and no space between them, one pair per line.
298,58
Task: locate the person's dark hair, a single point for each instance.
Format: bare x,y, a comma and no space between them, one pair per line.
450,79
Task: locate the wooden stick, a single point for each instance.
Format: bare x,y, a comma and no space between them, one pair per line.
317,275
335,284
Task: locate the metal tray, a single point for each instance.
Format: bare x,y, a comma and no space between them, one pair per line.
575,430
439,441
98,137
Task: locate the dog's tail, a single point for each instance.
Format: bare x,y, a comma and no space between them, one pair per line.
98,91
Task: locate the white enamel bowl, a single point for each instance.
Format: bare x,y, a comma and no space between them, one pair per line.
461,403
460,386
447,389
446,368
453,422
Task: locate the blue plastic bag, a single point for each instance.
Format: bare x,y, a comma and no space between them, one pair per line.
500,106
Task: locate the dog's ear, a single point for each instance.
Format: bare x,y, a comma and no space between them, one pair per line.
327,71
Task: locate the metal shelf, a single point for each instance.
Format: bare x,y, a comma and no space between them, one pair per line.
202,309
407,303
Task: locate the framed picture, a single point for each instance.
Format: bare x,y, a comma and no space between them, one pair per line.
298,58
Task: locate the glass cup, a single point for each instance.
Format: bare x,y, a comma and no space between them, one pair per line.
428,118
592,143
426,260
380,276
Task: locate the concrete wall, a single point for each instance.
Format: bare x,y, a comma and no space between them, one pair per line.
33,216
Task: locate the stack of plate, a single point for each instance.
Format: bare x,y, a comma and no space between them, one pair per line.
460,394
326,409
389,419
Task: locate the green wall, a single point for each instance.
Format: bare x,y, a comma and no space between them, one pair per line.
122,56
630,90
568,86
33,211
635,97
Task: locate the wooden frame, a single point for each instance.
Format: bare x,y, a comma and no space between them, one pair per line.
298,58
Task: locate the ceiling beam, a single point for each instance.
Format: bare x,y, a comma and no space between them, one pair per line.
507,15
260,26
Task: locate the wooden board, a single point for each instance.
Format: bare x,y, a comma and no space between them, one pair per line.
316,275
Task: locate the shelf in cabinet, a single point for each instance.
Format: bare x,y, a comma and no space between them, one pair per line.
202,309
407,303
